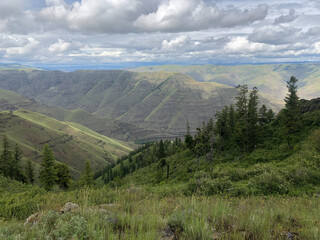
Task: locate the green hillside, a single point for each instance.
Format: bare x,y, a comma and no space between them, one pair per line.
158,101
72,143
269,78
10,100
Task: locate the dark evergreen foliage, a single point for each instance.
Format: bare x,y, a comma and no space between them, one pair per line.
47,175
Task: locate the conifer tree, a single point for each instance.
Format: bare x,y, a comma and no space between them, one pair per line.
232,119
16,172
6,157
161,151
188,138
241,131
30,172
291,113
252,137
47,174
263,117
86,178
63,176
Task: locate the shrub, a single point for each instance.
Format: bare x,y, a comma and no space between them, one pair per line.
315,139
74,228
204,185
273,182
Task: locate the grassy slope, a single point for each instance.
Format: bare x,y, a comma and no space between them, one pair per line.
272,169
10,100
73,144
159,101
144,213
268,78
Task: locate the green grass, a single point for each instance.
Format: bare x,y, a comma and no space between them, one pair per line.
145,212
72,143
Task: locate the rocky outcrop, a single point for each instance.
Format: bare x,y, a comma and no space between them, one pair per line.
69,207
33,219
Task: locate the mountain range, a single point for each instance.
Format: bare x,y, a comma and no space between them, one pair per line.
158,101
270,79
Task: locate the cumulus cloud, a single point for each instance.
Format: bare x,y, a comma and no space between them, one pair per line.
27,48
243,45
178,42
275,35
291,16
180,15
91,15
123,16
59,46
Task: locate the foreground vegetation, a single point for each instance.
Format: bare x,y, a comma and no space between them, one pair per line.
159,212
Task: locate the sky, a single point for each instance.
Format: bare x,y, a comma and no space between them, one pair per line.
129,33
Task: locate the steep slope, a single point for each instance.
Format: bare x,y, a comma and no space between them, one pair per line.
269,78
159,101
9,100
17,67
72,143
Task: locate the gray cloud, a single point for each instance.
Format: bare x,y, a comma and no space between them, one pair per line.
275,35
178,15
10,8
314,31
286,18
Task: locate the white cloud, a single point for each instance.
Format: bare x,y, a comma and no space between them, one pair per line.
178,42
180,15
91,15
59,46
242,45
22,50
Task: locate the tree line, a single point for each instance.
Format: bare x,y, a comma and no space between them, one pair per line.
51,171
244,126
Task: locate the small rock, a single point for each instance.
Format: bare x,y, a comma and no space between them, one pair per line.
167,234
33,219
69,207
216,236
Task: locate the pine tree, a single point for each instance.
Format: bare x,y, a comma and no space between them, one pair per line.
291,113
16,172
30,172
63,176
86,178
188,138
241,130
161,151
263,117
47,174
232,119
6,158
270,116
252,137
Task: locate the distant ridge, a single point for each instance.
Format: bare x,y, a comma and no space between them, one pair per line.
12,66
269,78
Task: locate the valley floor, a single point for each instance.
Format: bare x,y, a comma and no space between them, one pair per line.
162,212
